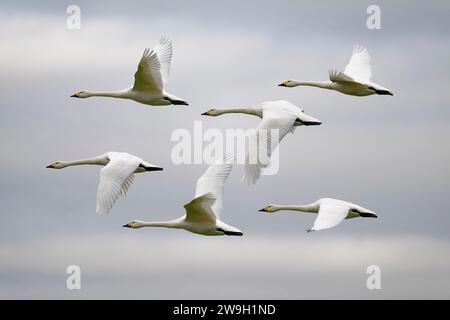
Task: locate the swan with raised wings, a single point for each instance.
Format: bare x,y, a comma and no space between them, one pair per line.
278,117
150,79
355,80
203,212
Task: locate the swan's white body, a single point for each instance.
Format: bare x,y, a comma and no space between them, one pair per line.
331,212
355,80
115,178
278,115
203,212
150,80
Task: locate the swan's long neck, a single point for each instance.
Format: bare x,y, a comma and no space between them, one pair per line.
324,85
113,94
312,207
163,224
92,161
251,111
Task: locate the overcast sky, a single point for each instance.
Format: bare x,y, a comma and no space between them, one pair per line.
389,154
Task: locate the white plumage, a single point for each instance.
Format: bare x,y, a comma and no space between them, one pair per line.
280,115
150,79
204,211
355,80
116,176
330,212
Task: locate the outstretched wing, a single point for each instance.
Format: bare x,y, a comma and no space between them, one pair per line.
115,180
330,216
261,144
213,181
164,51
359,66
200,210
154,67
337,76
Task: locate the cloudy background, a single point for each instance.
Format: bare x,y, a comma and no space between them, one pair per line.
389,154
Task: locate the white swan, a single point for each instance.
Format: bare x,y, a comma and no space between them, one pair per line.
150,79
278,115
115,178
331,212
203,212
355,80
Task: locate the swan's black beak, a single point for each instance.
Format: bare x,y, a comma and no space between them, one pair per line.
204,114
262,210
126,226
74,96
282,85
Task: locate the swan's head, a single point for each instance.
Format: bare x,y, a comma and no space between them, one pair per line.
211,112
56,165
270,208
287,83
80,94
134,224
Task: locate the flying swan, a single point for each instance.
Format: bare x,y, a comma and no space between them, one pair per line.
331,212
278,115
354,81
203,212
115,178
150,79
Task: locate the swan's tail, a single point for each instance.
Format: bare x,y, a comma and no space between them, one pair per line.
179,102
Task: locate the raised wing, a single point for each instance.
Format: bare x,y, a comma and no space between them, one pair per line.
359,66
164,51
115,180
261,143
337,76
154,67
213,181
200,210
330,216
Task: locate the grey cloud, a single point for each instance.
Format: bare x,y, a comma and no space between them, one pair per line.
143,265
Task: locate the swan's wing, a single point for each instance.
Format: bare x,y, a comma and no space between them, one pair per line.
261,146
153,69
213,181
164,51
337,76
115,180
330,216
359,66
127,184
200,210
